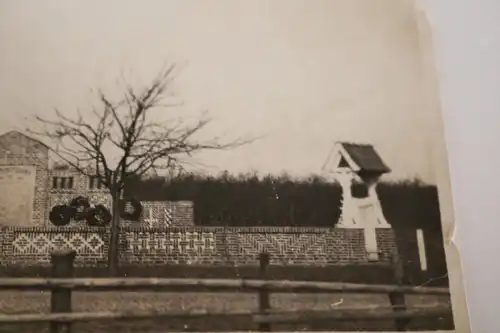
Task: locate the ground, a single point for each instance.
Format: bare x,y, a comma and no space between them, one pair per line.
36,302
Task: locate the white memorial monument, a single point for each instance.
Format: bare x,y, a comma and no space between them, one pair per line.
351,163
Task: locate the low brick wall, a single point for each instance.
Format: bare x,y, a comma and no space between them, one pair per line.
193,245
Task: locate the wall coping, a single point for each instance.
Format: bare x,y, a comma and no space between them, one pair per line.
52,229
85,229
232,229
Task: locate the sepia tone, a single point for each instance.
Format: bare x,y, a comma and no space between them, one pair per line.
224,166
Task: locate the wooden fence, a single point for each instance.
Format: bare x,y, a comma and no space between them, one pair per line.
62,284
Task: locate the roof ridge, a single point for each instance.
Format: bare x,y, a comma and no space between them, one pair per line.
356,143
25,135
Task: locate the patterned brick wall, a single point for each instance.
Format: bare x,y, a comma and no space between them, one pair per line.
160,214
193,245
29,246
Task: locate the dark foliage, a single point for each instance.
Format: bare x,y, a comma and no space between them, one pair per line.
252,200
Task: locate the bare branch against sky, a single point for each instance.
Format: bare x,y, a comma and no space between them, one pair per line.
123,137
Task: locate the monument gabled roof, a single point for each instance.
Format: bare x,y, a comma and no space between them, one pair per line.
356,157
366,157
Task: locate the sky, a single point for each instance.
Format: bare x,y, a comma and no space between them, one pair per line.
298,74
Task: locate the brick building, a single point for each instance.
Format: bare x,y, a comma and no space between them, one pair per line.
30,188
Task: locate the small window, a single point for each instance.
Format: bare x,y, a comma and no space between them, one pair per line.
69,182
62,182
95,182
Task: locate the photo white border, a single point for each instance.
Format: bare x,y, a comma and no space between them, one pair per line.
466,38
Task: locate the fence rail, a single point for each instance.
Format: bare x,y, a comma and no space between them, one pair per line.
62,285
375,313
210,285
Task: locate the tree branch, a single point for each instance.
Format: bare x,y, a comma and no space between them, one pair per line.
141,144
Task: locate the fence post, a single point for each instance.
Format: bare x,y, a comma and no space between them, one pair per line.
60,302
264,300
398,299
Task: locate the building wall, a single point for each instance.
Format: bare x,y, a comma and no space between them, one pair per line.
17,149
155,214
62,196
193,245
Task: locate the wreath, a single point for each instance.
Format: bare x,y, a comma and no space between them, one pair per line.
136,212
61,215
81,206
99,216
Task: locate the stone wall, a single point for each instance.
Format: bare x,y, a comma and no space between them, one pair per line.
193,245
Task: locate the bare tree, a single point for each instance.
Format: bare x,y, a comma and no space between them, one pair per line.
124,140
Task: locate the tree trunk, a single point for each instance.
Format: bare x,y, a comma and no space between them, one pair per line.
115,237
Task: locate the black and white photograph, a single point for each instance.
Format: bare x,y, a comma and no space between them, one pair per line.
222,166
